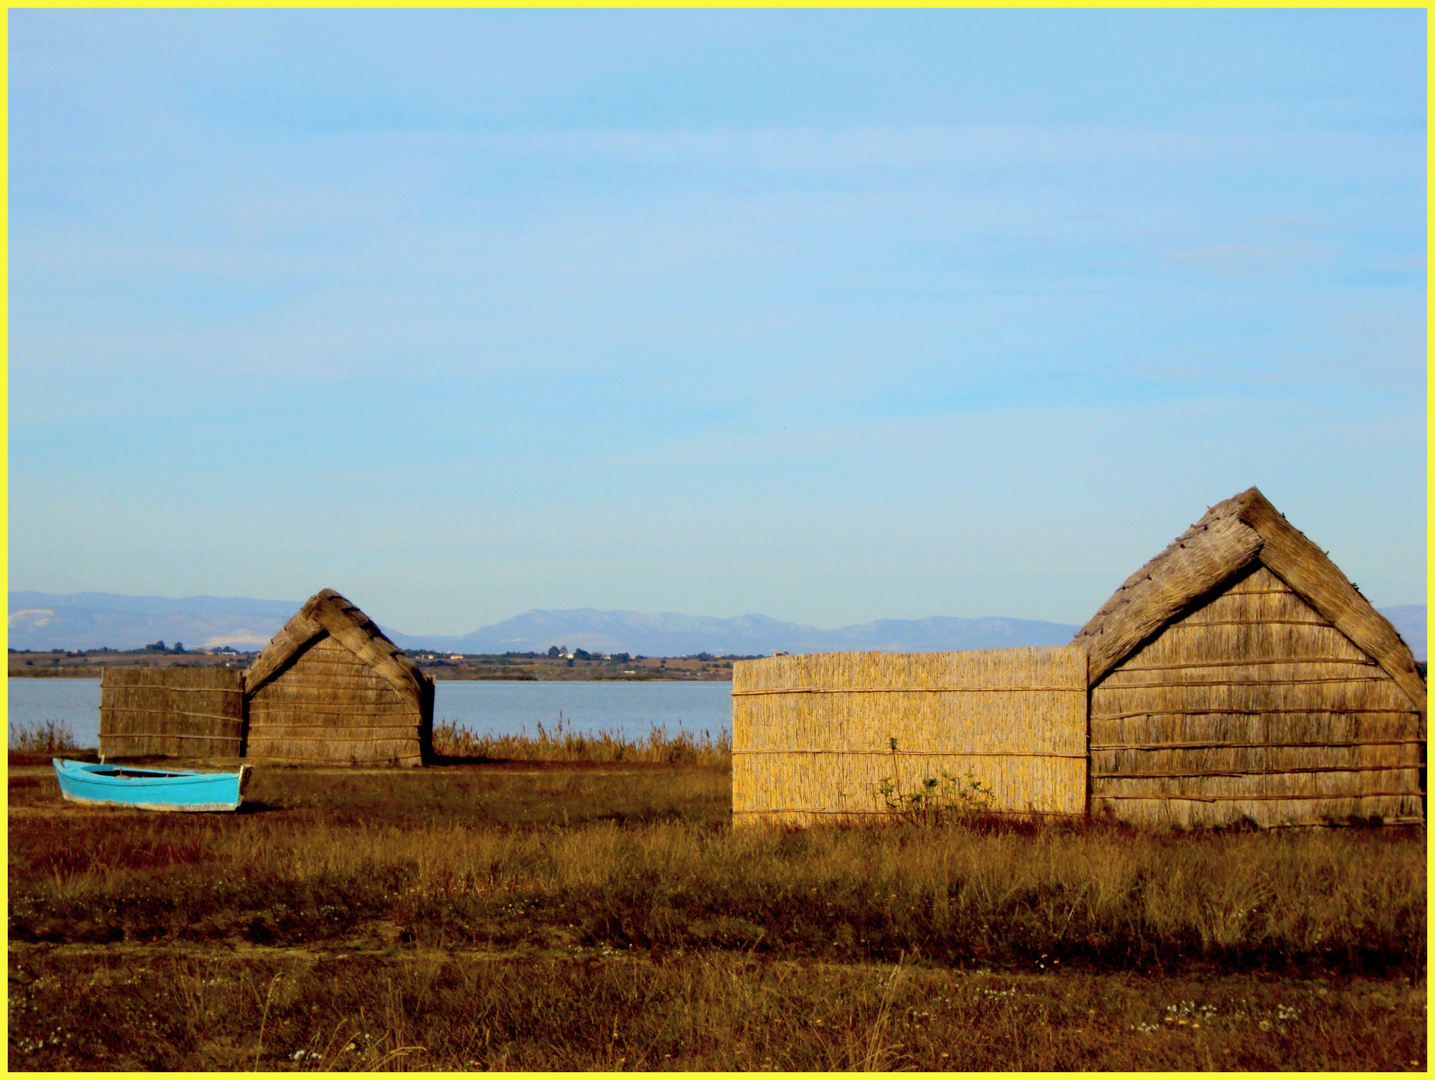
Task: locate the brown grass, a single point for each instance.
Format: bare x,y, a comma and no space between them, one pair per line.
604,1009
599,916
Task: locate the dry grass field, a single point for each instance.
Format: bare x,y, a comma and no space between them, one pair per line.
604,915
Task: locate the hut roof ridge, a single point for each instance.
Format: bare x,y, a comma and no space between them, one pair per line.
329,613
1231,535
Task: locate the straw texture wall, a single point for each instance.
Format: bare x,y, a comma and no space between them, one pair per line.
332,689
811,733
329,707
1254,706
171,712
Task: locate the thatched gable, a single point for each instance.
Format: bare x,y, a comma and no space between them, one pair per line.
330,687
1229,538
1239,676
328,612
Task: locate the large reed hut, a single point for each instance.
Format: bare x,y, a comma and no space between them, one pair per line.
331,689
1239,675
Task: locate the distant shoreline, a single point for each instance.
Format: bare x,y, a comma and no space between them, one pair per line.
473,668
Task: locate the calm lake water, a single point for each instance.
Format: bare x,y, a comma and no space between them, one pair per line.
502,708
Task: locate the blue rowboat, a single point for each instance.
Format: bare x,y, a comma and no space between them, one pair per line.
150,789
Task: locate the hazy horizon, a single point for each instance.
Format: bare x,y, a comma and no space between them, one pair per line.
43,621
296,604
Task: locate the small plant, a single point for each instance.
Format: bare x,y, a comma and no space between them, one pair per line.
43,737
935,799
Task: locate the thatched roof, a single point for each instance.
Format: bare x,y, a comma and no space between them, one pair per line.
1230,537
326,612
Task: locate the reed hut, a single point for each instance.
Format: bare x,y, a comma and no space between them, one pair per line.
331,689
1239,675
171,712
850,735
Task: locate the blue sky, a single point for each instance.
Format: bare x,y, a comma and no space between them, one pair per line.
831,316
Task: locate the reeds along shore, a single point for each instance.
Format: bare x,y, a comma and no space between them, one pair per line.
842,736
43,737
562,744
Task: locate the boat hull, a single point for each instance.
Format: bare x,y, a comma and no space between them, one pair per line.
150,789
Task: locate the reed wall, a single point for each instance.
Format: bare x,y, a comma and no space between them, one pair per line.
327,706
1252,706
812,734
171,712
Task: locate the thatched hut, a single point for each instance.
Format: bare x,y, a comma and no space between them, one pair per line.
1239,675
330,688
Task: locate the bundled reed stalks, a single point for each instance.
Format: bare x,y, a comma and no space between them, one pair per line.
562,743
845,735
171,711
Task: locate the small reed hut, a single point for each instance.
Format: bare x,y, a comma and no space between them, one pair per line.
171,712
1239,675
331,689
846,735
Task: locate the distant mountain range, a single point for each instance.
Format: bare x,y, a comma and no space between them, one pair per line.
668,634
94,620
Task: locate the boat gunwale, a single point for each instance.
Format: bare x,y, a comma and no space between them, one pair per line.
134,775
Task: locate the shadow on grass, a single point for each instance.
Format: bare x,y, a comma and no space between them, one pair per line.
444,760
